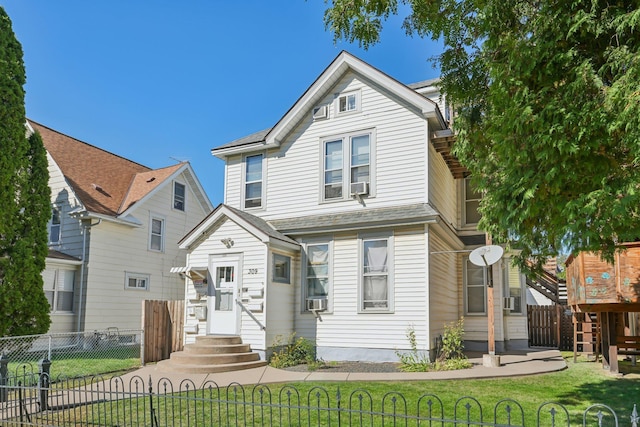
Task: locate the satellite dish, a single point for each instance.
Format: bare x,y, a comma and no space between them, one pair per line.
485,256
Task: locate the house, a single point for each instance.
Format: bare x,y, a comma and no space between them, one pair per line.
348,222
113,233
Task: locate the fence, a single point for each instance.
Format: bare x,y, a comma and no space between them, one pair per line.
111,343
163,325
133,402
550,326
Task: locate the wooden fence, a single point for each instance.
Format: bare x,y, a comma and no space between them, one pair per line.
163,323
550,326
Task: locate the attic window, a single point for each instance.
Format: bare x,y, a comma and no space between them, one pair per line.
348,102
179,196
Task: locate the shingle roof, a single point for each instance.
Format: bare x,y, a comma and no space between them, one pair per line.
105,183
245,140
60,255
410,214
261,225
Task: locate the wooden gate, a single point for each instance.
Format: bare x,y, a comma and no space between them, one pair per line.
163,323
550,326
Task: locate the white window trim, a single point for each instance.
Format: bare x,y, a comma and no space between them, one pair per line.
55,289
245,182
153,216
184,201
346,164
389,237
303,270
57,207
466,262
282,280
358,100
137,276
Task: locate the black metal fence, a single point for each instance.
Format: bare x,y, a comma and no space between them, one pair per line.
135,402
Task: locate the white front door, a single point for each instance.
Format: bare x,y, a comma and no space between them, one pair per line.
224,313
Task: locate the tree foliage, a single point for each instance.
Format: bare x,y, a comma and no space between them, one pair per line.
548,102
24,201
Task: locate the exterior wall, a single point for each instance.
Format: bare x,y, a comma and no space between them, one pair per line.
116,249
342,333
61,321
516,323
444,292
443,188
254,256
293,174
280,302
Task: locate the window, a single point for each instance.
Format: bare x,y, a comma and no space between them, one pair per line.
475,288
514,288
139,281
349,102
179,196
376,289
346,160
253,181
281,268
55,226
156,237
471,202
317,277
58,288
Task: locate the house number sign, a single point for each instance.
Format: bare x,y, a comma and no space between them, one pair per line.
252,271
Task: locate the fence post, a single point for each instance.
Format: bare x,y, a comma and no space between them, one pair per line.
142,350
4,377
44,383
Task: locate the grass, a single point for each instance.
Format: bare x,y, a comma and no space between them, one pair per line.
581,385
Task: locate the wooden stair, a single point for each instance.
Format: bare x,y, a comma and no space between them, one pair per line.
211,354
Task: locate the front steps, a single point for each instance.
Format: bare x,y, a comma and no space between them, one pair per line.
211,354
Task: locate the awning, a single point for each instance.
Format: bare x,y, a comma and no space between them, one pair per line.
194,272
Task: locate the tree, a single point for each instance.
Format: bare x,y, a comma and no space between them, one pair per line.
24,201
548,111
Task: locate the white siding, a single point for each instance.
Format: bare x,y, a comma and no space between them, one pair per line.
442,188
63,196
443,284
294,172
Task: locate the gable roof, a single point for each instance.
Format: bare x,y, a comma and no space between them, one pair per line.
253,224
342,64
105,183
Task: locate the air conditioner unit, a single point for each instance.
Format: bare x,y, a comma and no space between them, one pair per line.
316,304
508,303
359,188
321,112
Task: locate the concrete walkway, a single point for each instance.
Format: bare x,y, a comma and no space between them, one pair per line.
511,365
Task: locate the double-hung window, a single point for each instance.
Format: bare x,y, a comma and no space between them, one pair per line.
58,288
471,203
376,292
514,289
475,285
156,234
253,181
347,160
317,274
281,268
179,196
55,226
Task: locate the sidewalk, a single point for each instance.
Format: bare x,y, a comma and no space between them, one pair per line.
536,362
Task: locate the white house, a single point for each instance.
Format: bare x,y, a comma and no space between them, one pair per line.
348,222
113,233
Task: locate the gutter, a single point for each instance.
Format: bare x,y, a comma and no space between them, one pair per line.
82,267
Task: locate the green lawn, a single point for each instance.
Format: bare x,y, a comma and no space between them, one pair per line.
581,385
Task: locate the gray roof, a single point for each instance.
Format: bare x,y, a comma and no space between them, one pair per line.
424,83
245,140
60,255
365,218
261,225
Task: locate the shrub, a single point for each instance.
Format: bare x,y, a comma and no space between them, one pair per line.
295,352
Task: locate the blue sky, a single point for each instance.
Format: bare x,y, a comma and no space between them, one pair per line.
157,81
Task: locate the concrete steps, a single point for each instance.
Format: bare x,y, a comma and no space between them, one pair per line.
212,354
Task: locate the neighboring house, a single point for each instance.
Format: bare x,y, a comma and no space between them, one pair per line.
348,223
113,233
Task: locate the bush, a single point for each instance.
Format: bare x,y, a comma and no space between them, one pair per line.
295,352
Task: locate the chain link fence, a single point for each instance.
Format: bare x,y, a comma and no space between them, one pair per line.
101,347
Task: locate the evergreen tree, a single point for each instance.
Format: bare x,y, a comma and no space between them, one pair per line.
549,110
24,201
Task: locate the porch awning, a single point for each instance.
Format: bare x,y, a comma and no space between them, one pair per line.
193,272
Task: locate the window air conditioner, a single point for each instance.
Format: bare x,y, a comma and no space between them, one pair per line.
316,304
359,188
320,112
508,303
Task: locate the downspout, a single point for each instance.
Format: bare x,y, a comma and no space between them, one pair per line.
82,267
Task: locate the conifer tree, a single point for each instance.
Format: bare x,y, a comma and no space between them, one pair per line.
24,201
